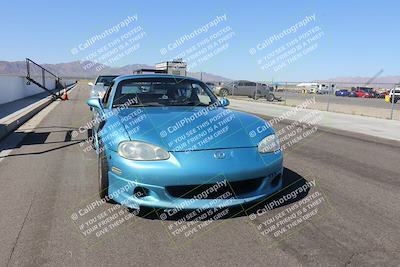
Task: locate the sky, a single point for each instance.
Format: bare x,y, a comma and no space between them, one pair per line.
344,38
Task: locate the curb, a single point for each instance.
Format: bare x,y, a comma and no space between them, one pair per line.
330,130
14,123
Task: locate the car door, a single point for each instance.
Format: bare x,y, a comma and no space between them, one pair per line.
251,89
241,88
264,89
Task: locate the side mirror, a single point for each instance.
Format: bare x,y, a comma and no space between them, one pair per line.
224,102
94,102
90,84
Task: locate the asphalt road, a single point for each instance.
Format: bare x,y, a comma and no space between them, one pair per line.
46,176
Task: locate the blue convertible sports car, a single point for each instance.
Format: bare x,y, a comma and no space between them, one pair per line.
168,142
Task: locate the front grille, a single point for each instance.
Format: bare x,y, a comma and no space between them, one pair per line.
235,188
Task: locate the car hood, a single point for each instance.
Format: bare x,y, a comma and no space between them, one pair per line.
180,128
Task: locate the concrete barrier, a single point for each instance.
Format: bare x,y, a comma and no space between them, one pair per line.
15,87
12,122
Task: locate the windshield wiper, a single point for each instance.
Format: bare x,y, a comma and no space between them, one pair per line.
151,104
196,104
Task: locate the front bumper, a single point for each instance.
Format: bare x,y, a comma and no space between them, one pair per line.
180,181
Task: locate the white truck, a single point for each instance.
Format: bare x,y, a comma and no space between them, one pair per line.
324,88
317,88
394,94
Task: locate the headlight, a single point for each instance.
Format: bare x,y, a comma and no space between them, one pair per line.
269,144
137,150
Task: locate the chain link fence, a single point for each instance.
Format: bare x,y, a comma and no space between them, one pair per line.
378,100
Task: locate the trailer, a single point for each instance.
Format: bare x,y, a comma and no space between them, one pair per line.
174,67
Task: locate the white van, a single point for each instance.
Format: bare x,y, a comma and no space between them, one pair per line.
325,88
310,88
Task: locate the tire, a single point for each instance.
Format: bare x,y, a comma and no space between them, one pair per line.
224,92
270,97
102,168
90,136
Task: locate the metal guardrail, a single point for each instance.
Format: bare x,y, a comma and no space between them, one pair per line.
45,73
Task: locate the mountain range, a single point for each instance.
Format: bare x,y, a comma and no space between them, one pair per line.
87,69
77,69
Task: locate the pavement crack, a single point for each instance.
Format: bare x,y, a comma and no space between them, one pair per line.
357,253
336,242
348,262
20,231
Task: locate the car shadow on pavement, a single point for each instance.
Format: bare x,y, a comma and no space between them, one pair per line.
19,139
291,182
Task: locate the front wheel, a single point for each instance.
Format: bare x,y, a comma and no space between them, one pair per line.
224,92
103,174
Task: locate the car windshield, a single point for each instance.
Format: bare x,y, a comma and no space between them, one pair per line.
366,89
163,92
230,83
106,80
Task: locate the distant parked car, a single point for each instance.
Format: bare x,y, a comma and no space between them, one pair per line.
245,88
382,94
342,92
394,95
369,94
101,84
353,94
375,94
363,94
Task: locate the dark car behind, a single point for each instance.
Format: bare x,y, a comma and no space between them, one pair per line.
342,92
